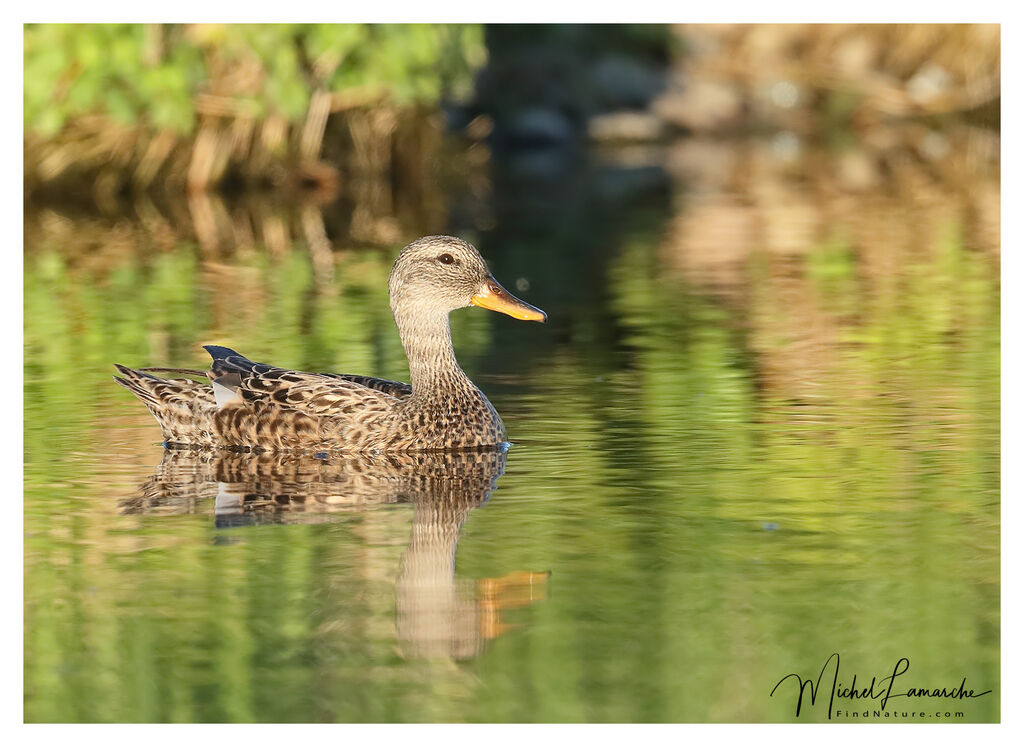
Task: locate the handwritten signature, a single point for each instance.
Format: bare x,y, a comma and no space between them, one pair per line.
881,690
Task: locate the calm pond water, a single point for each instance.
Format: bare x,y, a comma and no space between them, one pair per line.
761,426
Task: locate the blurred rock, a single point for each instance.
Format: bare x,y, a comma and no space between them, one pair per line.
933,145
700,104
928,83
623,83
855,55
856,171
538,126
786,147
544,84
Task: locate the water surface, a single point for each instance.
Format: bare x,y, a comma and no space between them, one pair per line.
760,427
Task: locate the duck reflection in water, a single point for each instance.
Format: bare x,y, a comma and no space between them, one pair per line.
438,614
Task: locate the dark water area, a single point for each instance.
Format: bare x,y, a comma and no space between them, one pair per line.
760,426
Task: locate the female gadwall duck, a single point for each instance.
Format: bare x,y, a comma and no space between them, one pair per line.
254,406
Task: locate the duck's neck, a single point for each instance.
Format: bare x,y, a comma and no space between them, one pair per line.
427,339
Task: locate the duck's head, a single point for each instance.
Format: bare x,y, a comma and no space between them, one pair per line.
438,274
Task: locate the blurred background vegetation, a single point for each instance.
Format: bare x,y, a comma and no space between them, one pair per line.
762,423
114,108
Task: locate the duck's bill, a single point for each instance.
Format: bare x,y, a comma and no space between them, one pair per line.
492,296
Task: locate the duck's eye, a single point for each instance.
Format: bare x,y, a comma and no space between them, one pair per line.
446,259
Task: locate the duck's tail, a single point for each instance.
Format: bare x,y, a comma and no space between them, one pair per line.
183,407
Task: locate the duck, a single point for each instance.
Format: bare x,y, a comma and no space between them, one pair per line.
242,405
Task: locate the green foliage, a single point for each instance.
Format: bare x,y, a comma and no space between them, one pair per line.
74,70
152,75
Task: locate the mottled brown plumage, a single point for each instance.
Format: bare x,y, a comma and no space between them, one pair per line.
190,480
256,406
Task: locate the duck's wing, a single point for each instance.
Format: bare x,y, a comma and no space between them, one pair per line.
226,361
394,388
324,395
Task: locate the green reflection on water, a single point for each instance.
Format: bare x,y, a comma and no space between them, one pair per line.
724,493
